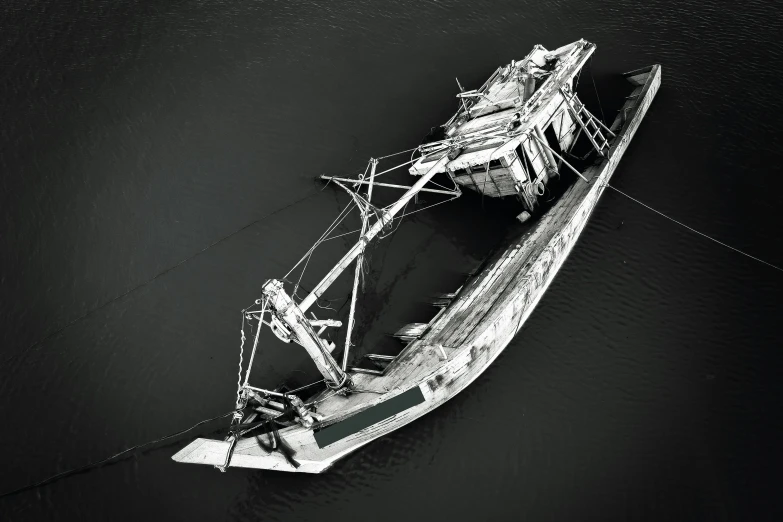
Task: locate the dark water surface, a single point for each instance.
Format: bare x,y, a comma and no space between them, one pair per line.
133,135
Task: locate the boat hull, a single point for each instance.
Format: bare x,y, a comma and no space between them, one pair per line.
461,342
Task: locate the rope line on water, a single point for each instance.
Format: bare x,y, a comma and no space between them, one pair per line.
702,234
648,207
148,281
97,464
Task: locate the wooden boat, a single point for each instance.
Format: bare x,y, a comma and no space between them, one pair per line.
515,136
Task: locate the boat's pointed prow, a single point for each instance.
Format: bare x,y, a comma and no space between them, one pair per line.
213,453
203,451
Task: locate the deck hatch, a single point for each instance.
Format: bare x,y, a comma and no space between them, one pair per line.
368,417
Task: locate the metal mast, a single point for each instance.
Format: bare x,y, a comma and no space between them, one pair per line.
290,322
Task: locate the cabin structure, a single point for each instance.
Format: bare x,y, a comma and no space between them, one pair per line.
510,137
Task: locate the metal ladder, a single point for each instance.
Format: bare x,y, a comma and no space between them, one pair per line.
591,126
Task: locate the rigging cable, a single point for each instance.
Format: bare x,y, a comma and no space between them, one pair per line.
310,252
339,219
329,229
397,153
107,460
393,168
590,68
397,217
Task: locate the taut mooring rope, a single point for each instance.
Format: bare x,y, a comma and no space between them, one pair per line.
702,234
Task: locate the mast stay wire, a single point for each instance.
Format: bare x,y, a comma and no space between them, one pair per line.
396,217
310,252
398,153
590,69
329,229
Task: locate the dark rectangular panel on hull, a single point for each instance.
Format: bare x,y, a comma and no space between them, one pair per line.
368,417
